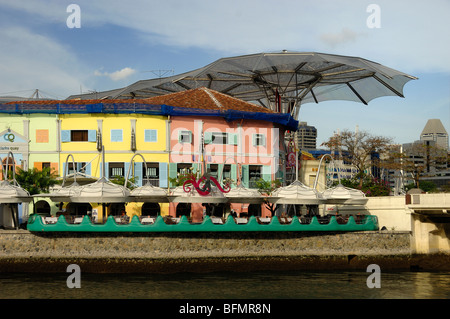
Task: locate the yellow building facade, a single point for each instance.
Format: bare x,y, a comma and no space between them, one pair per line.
120,137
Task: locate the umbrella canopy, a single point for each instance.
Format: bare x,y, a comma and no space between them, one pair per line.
10,193
240,194
102,191
148,193
282,80
63,194
296,193
344,195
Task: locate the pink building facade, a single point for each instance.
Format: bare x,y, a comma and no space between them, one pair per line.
233,140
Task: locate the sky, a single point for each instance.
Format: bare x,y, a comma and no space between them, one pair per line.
61,49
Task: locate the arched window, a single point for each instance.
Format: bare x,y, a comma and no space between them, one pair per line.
183,209
7,170
150,209
78,209
42,207
254,210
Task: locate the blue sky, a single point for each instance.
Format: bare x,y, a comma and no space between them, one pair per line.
120,42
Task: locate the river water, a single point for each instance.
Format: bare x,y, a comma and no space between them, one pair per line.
256,285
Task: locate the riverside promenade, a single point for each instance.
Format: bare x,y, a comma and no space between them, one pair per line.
410,237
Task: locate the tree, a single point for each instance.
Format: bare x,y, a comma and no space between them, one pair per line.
267,187
36,181
371,186
361,149
418,159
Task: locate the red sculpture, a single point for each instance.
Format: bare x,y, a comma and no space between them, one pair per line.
204,189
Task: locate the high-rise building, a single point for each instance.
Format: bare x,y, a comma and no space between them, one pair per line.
307,136
435,131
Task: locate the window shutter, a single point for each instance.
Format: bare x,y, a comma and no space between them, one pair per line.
138,174
267,173
107,170
163,179
245,175
92,136
220,173
65,135
172,170
88,169
126,166
54,167
233,138
38,165
207,137
234,173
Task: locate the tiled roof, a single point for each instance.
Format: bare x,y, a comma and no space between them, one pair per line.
200,98
203,98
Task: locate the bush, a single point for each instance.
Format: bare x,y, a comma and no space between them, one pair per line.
370,186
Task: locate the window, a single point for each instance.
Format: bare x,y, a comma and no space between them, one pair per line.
214,170
79,135
41,136
254,172
116,136
152,173
226,171
79,167
184,136
219,138
116,169
151,135
259,140
46,165
184,168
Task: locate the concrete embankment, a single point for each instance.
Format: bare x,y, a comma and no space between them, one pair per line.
22,251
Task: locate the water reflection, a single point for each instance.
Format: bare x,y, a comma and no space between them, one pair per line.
273,285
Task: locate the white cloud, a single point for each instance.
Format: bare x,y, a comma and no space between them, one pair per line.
117,75
343,37
32,61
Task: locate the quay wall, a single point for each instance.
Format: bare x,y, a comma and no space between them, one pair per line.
23,251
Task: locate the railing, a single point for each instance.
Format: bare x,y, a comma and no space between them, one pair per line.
182,224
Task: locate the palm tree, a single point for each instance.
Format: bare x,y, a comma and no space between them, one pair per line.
36,181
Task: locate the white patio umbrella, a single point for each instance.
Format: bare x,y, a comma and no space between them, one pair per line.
102,191
340,194
64,193
241,194
147,192
344,195
296,194
13,194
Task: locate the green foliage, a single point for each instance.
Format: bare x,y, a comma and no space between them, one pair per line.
36,181
182,177
120,180
368,185
267,187
426,186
